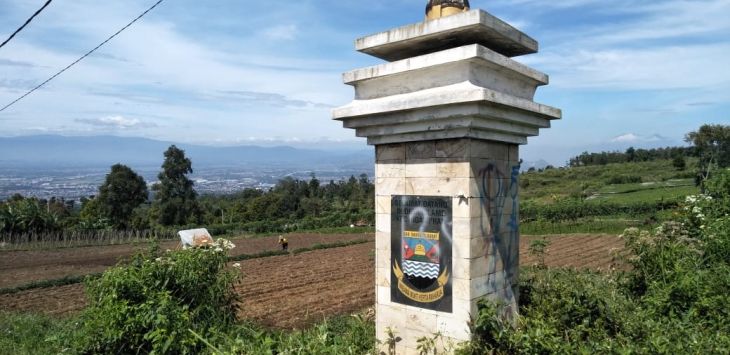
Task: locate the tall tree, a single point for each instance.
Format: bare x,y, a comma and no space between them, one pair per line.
175,199
631,154
122,191
712,144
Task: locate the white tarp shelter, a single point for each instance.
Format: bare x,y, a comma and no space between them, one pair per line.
195,237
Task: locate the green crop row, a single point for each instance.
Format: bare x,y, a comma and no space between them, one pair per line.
575,209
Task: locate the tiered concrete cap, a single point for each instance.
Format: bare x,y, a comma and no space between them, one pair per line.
449,78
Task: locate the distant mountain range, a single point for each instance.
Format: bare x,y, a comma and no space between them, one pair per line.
104,151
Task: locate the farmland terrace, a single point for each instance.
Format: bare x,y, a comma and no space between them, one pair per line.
287,291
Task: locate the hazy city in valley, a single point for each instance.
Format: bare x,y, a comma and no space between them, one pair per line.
75,183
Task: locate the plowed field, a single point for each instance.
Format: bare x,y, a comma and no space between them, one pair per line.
22,267
296,290
575,250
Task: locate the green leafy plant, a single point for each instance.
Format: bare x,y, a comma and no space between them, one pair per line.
670,298
538,248
434,345
150,305
391,340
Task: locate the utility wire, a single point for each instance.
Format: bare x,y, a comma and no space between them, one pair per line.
26,23
82,57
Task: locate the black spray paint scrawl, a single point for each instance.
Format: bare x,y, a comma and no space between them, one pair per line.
421,252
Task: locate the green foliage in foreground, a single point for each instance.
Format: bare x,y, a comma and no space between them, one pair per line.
150,305
36,334
22,334
672,301
571,312
353,335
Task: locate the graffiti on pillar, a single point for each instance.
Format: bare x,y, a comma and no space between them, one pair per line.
421,246
500,202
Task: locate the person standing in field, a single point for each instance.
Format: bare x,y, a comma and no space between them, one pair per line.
284,243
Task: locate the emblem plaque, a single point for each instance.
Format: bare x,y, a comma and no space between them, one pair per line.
421,255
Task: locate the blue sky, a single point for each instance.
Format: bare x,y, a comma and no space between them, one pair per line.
226,72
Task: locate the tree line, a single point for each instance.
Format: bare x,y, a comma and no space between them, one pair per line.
124,202
632,155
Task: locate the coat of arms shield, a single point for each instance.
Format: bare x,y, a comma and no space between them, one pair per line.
421,251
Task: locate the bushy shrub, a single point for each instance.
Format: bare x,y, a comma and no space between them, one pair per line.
574,312
152,304
719,185
672,299
560,310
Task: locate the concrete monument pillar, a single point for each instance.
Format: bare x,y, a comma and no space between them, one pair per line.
446,115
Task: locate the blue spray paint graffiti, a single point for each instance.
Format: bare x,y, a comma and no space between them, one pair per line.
497,189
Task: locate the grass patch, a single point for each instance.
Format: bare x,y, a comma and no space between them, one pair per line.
626,188
22,334
26,334
649,195
544,187
607,225
336,335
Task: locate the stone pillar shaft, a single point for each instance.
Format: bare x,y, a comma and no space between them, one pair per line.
481,178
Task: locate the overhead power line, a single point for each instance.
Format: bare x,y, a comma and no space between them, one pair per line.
26,23
82,57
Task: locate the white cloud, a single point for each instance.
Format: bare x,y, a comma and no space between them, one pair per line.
116,122
155,70
265,98
670,67
628,137
653,45
635,138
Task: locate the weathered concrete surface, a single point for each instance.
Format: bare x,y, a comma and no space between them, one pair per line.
481,178
469,91
453,111
474,63
475,26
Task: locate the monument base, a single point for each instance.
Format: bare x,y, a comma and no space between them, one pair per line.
480,181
